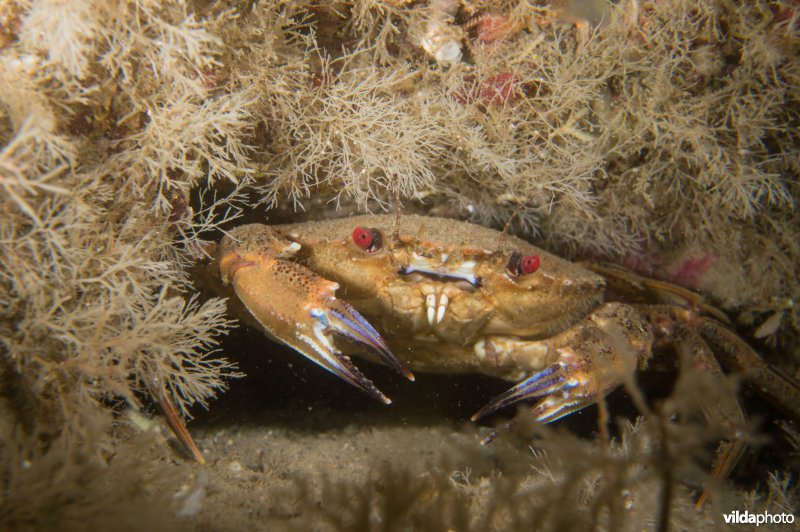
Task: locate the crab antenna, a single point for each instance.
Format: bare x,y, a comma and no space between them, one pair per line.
506,227
397,209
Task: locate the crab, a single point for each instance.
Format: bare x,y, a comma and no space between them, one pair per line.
453,297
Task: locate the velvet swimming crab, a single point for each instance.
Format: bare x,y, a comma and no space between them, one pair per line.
452,297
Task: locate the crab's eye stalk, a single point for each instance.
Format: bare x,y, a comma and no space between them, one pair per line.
367,239
519,264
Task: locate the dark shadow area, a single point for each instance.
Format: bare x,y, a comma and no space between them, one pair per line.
282,389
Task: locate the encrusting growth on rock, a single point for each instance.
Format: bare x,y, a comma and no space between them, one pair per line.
662,135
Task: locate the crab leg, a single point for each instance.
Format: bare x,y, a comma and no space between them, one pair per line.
176,424
697,339
296,306
723,408
736,354
582,364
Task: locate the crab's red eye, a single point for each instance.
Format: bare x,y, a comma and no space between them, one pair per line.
519,264
367,239
529,264
362,237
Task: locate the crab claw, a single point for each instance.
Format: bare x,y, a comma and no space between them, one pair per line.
296,306
550,380
583,363
340,317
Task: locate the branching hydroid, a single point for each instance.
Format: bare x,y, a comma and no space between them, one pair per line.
665,126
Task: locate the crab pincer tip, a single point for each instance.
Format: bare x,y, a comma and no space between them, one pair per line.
347,321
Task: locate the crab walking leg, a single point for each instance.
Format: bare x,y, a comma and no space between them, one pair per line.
737,355
582,364
175,422
701,342
733,353
721,407
296,306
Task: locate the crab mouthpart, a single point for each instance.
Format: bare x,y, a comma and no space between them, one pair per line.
464,271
